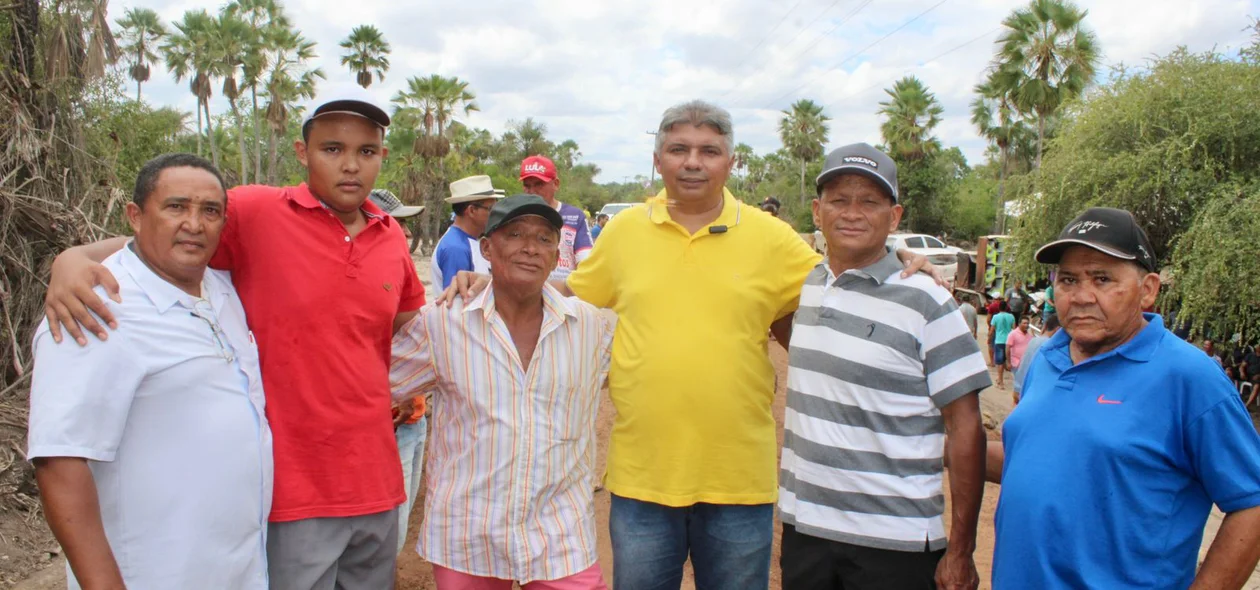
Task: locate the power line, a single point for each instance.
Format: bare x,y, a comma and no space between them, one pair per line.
744,79
857,53
767,36
956,48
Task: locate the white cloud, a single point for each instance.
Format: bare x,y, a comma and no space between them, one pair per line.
602,72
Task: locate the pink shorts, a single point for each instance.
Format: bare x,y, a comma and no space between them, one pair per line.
590,578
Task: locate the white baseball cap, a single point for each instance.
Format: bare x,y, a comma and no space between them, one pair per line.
353,101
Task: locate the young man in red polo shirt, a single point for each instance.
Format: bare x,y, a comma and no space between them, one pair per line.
325,278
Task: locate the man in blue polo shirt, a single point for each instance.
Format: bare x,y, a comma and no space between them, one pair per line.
1124,438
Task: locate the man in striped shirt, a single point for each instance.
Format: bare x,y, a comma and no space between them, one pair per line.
880,369
517,371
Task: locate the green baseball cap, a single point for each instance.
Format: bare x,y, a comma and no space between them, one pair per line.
510,208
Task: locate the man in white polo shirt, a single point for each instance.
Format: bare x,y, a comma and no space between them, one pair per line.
152,449
880,369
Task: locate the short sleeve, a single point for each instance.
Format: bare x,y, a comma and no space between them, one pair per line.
412,289
951,358
1224,450
411,370
594,281
582,243
450,261
81,396
226,255
795,259
242,205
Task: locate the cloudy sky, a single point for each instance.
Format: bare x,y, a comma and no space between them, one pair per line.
602,71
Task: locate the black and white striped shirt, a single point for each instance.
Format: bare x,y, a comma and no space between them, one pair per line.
873,359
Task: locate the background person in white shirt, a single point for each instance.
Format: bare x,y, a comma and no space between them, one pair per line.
152,449
518,370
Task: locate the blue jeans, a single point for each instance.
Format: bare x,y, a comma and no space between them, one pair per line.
411,439
729,545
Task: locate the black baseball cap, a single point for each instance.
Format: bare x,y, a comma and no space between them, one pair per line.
510,208
353,101
1113,232
860,158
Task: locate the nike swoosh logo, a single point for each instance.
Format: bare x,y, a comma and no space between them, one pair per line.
1108,401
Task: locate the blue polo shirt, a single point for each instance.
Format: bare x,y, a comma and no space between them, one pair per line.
1112,466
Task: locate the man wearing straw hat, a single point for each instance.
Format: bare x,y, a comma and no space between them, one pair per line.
471,198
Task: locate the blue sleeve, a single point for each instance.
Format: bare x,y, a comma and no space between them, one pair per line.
1224,451
582,241
451,260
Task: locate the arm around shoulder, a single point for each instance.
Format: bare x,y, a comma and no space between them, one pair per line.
70,301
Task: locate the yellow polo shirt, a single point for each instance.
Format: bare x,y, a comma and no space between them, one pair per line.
690,377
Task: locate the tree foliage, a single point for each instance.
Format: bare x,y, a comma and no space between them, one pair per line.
803,130
366,53
911,115
1047,57
1170,144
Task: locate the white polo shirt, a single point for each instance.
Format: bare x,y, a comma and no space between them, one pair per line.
171,420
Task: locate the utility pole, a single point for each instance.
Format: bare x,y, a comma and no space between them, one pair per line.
652,169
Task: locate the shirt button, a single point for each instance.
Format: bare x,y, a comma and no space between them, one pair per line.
347,238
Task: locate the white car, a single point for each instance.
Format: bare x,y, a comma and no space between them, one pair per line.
612,209
944,257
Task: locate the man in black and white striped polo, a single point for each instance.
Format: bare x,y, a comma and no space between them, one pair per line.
881,368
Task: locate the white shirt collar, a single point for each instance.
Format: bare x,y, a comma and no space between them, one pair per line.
162,293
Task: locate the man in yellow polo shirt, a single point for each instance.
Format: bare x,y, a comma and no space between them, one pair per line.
697,279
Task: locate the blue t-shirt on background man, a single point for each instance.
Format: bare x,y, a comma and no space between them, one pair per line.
1112,466
1003,323
456,251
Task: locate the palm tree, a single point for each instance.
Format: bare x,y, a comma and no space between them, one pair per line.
287,83
432,104
233,40
1046,57
142,29
803,130
265,18
79,43
994,114
367,52
189,53
912,113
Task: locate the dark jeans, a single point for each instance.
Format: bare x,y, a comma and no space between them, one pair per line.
814,563
729,545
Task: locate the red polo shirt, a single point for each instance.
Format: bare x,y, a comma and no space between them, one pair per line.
321,306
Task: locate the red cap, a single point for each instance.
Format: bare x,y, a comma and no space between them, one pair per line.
539,167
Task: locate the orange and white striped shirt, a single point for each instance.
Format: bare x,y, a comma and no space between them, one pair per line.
511,466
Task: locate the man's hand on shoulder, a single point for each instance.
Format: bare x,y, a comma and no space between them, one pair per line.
919,263
466,284
71,299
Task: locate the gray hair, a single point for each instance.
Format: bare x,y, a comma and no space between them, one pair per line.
698,113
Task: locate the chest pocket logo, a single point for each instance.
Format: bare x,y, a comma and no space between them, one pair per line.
387,286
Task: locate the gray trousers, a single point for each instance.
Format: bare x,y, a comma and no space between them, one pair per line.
349,553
